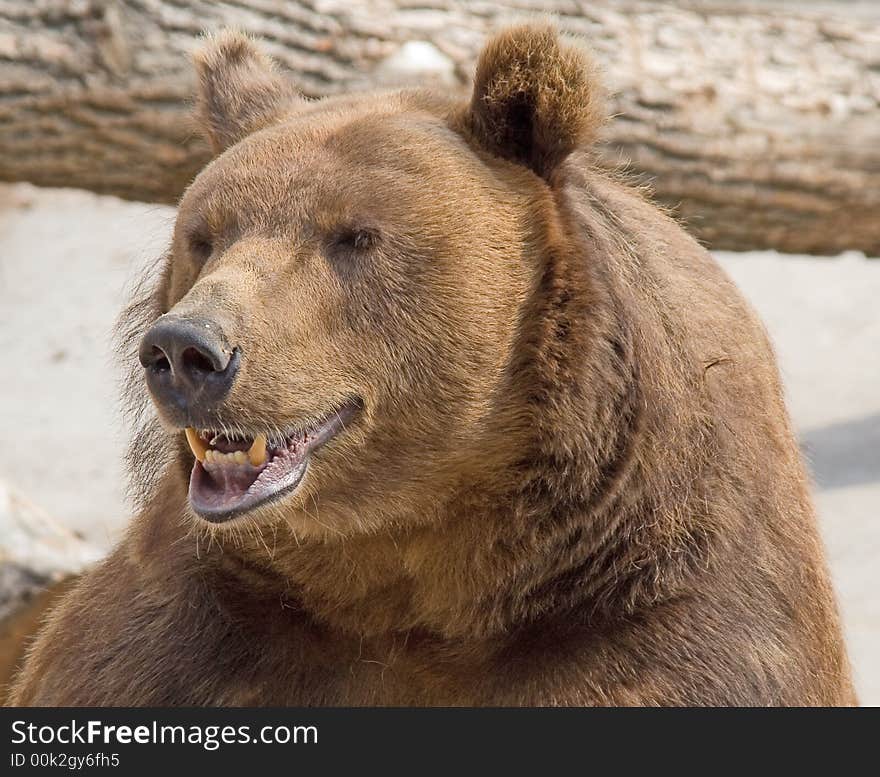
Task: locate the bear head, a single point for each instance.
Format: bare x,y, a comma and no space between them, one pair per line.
342,331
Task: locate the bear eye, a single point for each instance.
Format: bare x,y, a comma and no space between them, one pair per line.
355,238
201,246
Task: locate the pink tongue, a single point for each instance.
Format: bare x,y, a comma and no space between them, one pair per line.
232,480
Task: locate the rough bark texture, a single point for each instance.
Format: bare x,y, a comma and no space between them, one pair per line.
757,124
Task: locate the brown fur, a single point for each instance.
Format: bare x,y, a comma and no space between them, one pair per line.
574,481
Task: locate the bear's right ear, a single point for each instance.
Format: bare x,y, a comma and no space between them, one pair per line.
240,89
536,98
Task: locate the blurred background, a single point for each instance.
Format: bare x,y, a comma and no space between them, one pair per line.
757,123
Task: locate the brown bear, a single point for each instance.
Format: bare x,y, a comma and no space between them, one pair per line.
445,416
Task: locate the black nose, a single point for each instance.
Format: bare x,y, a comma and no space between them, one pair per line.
189,365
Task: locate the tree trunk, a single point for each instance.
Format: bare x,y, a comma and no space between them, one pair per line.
757,125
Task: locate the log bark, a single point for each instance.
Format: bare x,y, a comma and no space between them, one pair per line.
757,124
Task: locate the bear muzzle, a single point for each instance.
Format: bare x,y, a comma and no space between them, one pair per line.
190,369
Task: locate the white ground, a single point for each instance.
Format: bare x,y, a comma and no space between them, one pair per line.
66,256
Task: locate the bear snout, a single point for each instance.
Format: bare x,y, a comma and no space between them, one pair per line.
189,366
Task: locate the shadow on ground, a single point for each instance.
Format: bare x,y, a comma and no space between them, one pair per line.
845,453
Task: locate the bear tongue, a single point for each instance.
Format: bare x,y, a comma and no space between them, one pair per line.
232,481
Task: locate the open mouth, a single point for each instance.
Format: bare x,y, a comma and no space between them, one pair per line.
231,476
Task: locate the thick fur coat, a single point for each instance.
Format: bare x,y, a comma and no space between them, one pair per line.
573,480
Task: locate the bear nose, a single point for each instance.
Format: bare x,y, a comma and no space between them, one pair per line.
189,365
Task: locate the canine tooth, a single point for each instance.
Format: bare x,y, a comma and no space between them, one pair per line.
196,445
257,451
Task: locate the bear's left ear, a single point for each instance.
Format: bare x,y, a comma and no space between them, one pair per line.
240,89
536,98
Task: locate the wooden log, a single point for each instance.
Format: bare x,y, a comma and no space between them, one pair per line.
755,122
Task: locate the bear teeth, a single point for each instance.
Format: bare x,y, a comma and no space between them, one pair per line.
218,457
256,455
197,446
257,452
